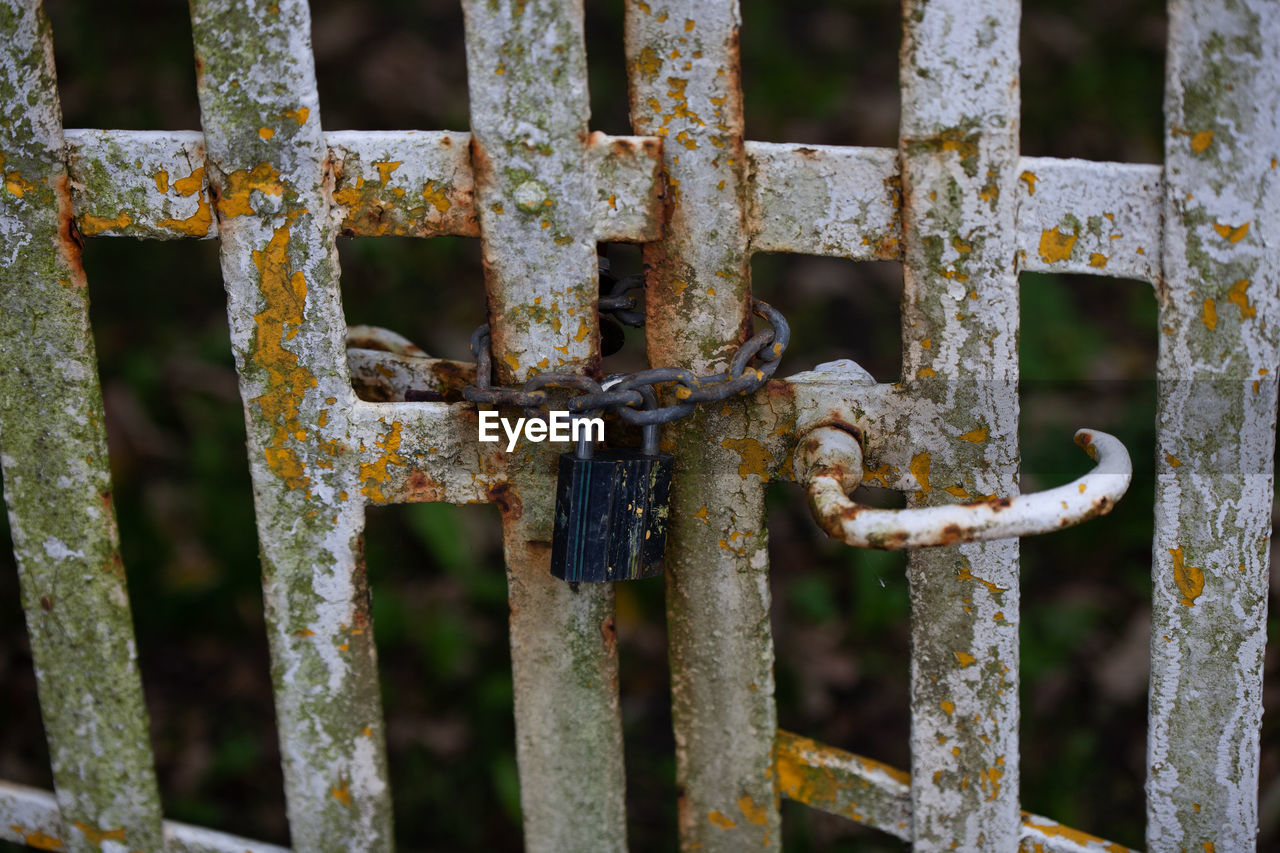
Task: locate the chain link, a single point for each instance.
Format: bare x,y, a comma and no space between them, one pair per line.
633,395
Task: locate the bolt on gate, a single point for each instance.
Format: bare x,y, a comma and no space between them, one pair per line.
955,202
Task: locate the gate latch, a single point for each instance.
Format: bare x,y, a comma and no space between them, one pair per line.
828,464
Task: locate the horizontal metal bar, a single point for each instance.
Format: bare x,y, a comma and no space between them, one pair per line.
878,795
411,452
866,791
30,816
152,184
1094,218
825,200
1073,215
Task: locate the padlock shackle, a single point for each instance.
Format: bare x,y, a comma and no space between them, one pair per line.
649,432
585,448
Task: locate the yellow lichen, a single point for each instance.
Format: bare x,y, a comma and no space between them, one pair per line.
1200,141
1231,233
1056,246
757,815
375,475
1236,296
91,225
1209,314
96,836
236,195
1190,579
920,470
287,378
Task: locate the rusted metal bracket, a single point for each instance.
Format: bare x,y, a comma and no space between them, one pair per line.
828,463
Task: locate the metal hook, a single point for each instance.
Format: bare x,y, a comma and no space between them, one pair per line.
828,463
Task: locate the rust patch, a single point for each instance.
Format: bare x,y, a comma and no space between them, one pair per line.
951,535
507,499
419,488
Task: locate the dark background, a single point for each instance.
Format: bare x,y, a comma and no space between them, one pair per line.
816,73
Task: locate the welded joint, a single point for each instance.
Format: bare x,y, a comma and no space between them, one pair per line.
828,463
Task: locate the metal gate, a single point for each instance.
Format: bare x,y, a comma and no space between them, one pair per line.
955,202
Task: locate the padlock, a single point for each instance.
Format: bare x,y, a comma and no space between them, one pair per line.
611,512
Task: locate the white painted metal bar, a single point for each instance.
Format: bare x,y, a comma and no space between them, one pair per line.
1072,215
685,87
535,196
959,141
31,816
139,183
266,164
1215,423
879,796
57,480
825,200
152,185
1093,218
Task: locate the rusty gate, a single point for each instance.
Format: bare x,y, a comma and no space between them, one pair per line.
955,202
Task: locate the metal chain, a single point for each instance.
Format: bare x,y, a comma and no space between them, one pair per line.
631,395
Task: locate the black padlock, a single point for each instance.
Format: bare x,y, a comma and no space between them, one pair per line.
611,512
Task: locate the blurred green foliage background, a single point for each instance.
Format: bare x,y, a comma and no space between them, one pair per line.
823,72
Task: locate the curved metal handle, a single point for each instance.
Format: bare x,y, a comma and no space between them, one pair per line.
828,463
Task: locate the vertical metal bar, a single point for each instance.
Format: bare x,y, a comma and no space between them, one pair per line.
959,154
57,480
1219,310
683,67
266,164
535,193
